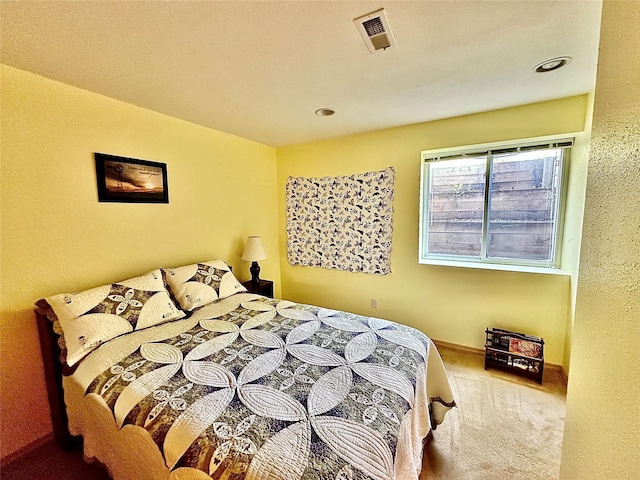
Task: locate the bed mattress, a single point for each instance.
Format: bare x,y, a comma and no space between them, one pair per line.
255,388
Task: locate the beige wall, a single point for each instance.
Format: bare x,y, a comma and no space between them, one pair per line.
572,237
602,428
57,237
449,304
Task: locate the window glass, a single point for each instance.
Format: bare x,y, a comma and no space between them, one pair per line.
523,205
494,206
456,206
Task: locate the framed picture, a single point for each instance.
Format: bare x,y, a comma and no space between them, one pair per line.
129,180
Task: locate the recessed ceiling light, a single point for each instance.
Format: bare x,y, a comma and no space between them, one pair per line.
552,64
324,112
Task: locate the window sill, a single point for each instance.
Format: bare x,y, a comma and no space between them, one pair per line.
494,266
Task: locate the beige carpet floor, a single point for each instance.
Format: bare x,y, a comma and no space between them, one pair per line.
504,426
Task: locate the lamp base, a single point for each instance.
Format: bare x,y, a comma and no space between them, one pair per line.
255,272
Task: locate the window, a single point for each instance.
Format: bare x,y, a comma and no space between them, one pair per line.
497,204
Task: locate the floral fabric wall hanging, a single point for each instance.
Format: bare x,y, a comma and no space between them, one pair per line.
342,223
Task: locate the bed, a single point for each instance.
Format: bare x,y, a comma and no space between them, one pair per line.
182,374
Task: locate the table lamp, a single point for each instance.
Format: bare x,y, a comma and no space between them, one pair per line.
254,251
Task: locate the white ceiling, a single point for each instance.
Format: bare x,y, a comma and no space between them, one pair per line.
259,69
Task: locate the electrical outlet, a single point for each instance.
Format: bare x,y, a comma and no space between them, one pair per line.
374,303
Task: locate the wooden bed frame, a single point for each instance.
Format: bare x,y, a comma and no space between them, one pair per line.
53,372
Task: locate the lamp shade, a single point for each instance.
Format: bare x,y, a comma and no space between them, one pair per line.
254,250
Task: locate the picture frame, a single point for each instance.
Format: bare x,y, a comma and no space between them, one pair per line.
130,180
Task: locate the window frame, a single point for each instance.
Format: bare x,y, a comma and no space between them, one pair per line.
565,142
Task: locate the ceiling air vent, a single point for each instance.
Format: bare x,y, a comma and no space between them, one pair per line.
375,30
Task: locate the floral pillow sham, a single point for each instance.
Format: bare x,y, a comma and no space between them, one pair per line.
200,283
93,317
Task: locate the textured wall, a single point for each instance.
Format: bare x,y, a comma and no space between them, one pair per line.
602,431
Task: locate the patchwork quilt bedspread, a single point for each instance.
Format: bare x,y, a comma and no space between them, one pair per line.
257,388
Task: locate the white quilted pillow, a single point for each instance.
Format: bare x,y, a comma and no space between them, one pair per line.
95,316
201,283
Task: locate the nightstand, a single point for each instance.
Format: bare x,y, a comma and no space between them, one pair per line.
265,288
